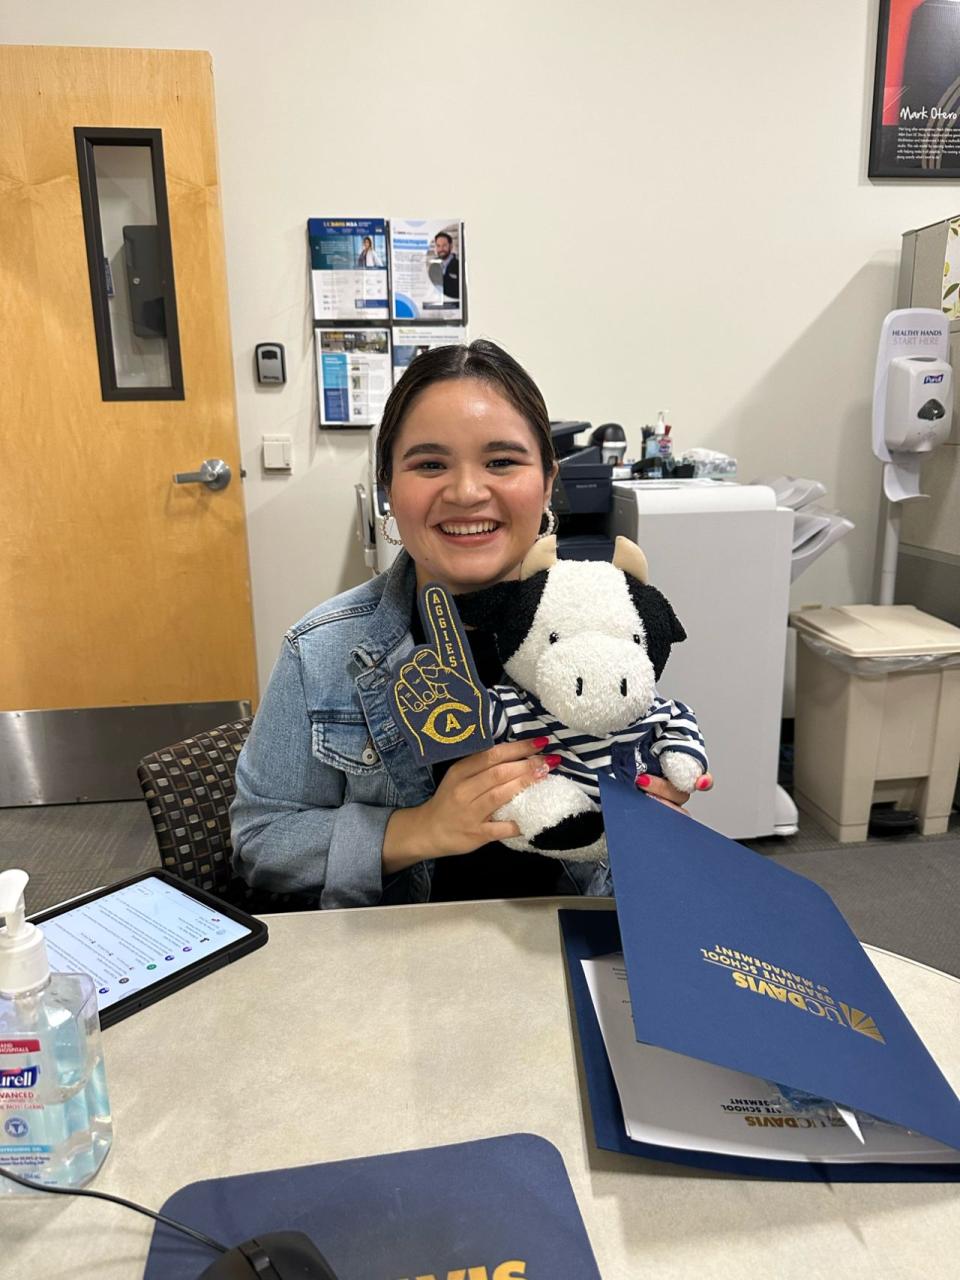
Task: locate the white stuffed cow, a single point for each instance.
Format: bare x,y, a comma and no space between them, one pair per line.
584,643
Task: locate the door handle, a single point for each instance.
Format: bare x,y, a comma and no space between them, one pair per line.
214,473
364,529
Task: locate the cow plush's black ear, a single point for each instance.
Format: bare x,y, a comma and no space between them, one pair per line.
506,609
490,607
662,625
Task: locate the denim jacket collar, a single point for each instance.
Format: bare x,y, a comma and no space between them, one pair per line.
389,623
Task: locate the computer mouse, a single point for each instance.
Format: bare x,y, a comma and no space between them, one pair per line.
275,1255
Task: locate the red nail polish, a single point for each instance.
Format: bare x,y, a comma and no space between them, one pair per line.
540,743
643,779
551,761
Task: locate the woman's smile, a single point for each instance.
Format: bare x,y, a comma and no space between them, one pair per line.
469,531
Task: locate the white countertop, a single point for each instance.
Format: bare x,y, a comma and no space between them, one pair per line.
389,1029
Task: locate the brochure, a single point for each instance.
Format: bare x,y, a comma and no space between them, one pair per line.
429,279
410,340
348,269
353,374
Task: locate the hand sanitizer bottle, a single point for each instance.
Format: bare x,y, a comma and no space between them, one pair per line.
55,1124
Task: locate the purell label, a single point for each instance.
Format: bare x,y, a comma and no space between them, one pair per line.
19,1046
21,1078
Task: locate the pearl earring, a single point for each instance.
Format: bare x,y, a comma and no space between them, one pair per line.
395,541
552,523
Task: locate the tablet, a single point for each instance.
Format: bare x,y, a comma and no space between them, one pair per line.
145,937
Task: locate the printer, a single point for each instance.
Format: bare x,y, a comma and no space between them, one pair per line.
583,491
724,555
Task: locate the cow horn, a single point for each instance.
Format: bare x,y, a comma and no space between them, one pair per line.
542,555
628,557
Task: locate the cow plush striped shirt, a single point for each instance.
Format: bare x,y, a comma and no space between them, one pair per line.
667,726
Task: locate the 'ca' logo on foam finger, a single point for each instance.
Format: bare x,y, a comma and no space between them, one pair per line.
436,696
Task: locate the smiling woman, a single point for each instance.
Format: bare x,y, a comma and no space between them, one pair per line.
330,799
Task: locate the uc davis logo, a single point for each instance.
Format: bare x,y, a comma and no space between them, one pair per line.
862,1022
22,1078
821,1005
750,973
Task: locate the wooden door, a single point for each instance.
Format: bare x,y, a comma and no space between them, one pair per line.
118,588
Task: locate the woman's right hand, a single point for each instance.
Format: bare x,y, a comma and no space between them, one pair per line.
458,816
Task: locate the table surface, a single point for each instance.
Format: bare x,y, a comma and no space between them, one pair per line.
405,1027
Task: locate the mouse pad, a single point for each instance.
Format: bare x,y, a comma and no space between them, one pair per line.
497,1209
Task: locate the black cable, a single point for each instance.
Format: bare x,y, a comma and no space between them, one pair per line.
127,1204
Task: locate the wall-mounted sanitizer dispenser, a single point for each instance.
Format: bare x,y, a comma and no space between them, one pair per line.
919,400
912,395
912,410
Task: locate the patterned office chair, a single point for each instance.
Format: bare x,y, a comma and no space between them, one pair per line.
188,789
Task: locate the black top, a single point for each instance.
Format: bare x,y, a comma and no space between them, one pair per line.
492,871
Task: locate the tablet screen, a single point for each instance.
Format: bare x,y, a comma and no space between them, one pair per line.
137,935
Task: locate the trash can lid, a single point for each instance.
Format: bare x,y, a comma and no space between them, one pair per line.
877,631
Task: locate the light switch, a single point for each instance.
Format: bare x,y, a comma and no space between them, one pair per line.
277,453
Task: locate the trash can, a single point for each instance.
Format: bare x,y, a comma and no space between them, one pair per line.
877,715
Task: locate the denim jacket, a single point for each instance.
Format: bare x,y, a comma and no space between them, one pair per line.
325,765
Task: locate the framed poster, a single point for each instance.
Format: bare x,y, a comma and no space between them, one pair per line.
915,131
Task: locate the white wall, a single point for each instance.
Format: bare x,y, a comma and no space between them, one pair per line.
666,205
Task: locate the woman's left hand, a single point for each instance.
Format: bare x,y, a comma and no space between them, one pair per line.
666,792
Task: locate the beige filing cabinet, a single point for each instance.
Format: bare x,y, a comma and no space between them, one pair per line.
928,569
869,727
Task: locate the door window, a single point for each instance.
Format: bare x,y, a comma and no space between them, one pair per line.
127,230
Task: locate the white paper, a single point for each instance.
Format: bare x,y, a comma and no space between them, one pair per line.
806,525
671,1100
353,375
852,1122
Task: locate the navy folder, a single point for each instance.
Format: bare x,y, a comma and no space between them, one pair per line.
736,961
496,1209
